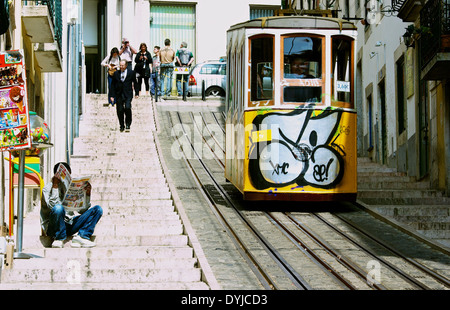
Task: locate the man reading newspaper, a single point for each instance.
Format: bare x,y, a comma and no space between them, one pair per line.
66,209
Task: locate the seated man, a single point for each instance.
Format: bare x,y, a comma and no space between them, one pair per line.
59,224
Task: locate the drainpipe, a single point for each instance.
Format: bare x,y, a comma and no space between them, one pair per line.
69,27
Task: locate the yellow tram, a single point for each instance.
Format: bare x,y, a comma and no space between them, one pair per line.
290,109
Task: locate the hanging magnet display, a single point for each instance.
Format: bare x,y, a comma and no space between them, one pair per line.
14,114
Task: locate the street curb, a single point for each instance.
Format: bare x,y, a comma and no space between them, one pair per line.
207,274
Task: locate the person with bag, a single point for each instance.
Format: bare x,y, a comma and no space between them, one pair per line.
184,58
111,62
143,69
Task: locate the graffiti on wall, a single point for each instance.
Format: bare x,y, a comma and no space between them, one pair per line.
298,149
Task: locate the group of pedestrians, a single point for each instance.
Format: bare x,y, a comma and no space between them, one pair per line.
156,72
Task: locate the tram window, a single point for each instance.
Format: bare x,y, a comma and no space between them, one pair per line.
302,57
341,69
262,69
265,80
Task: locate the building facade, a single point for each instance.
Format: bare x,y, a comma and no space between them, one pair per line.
402,65
202,24
403,70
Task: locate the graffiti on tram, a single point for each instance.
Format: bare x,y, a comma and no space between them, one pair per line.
297,148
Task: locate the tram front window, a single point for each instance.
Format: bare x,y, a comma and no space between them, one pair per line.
261,68
302,69
302,58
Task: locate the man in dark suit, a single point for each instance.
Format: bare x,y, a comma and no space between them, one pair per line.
122,93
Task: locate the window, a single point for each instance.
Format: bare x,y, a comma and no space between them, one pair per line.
401,101
302,69
302,57
261,68
342,83
210,69
213,69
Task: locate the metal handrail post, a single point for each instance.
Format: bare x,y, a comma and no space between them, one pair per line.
20,207
20,189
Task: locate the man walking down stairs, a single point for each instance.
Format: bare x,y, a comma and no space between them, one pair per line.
140,238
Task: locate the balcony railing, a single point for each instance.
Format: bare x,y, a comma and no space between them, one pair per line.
435,15
55,11
408,10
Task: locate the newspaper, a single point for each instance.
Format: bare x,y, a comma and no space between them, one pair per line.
73,190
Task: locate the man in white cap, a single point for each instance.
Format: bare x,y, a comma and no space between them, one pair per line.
126,52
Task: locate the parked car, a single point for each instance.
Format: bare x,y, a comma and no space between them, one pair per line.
214,75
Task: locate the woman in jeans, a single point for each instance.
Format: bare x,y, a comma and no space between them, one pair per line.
112,63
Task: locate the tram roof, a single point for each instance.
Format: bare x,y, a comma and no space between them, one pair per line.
306,22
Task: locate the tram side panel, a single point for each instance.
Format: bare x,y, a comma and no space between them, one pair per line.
300,154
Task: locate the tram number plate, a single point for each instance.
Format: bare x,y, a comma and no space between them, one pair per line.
181,70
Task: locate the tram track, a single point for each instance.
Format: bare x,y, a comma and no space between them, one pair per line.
279,219
429,272
265,278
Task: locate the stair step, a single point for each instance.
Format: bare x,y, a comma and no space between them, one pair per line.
116,275
140,238
105,286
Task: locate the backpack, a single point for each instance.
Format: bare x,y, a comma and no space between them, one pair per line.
4,16
184,55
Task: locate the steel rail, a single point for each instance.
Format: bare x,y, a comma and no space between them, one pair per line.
400,272
218,160
217,121
328,248
259,272
435,275
419,266
210,133
297,280
309,252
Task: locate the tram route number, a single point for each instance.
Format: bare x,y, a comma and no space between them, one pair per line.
236,300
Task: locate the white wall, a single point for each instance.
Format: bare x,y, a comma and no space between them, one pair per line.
90,20
388,31
214,18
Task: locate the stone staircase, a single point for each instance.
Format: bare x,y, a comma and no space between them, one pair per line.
396,196
140,238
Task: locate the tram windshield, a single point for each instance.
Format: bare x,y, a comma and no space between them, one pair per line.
302,58
302,69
